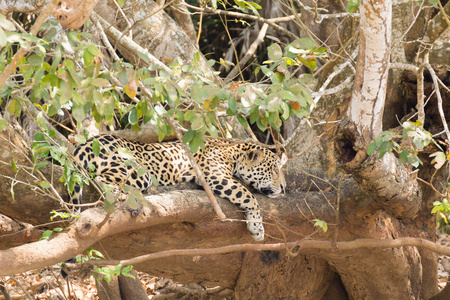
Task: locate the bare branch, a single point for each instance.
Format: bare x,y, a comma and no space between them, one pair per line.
439,99
271,22
251,50
200,176
301,246
127,42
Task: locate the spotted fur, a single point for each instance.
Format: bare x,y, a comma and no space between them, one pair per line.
223,165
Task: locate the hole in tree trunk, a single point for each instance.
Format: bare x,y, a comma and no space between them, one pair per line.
346,153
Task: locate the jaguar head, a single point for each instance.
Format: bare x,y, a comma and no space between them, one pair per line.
262,169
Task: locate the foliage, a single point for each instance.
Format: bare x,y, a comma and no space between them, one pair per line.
105,273
48,233
414,138
353,5
442,211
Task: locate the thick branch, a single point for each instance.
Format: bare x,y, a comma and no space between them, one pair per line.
166,210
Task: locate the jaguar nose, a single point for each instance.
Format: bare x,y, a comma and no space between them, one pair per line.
267,191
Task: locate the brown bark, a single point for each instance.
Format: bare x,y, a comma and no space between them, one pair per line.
132,288
108,290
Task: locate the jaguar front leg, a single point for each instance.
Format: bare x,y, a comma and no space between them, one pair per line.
232,190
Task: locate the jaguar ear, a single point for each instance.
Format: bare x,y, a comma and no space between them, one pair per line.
255,156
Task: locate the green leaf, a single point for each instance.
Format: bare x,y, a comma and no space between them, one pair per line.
13,165
213,131
436,209
125,271
80,139
44,184
14,107
371,148
46,234
2,124
274,52
352,5
109,202
133,116
195,143
242,120
439,159
143,56
141,171
403,157
232,105
100,82
321,224
93,49
96,147
198,123
155,181
131,201
40,164
35,60
188,136
78,112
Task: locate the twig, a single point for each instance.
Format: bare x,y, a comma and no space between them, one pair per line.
27,294
128,43
334,74
338,200
420,96
124,17
413,21
443,12
312,144
439,99
105,38
285,240
238,63
430,185
335,89
271,22
317,177
198,172
323,194
251,50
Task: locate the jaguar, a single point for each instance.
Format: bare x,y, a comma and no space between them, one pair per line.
225,165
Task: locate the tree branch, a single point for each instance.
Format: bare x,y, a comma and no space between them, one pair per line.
298,247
